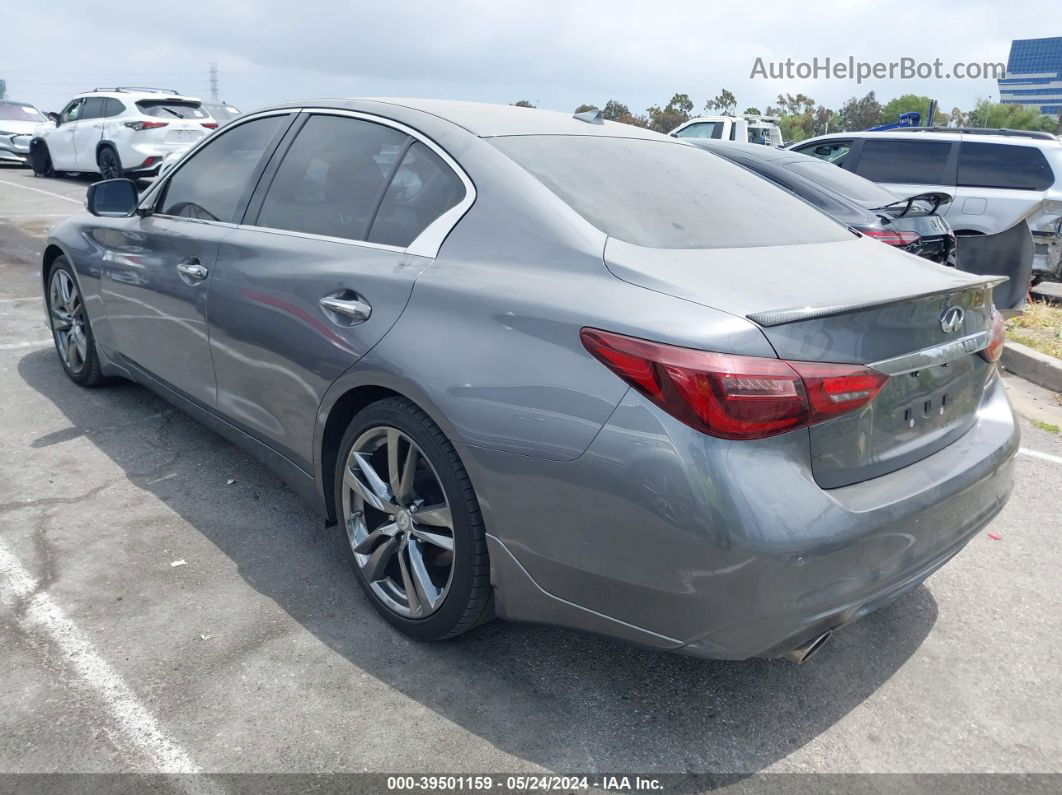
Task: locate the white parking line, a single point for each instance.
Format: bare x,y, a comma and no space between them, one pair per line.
16,346
38,190
1054,459
133,718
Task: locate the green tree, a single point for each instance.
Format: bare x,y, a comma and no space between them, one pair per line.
908,102
1012,117
617,111
726,102
523,103
751,111
859,114
958,117
670,116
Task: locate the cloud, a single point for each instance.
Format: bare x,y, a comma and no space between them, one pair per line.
558,54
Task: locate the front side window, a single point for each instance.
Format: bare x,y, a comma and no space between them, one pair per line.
831,151
71,113
984,165
212,184
666,194
332,179
911,162
423,188
702,129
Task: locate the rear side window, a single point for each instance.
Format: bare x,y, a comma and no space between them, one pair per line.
702,129
913,162
332,178
423,188
666,194
170,109
112,107
984,165
211,186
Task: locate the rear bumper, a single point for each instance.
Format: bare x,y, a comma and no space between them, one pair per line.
730,550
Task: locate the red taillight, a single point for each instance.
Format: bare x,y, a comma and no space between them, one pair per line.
734,397
892,237
145,125
999,336
210,125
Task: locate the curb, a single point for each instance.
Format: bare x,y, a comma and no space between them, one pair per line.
1041,369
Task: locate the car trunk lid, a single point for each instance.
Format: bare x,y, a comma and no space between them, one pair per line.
851,302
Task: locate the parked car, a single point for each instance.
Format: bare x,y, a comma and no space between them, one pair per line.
752,129
909,223
18,122
119,132
525,382
221,112
1004,183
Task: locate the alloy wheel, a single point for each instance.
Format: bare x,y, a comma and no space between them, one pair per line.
398,522
109,167
67,314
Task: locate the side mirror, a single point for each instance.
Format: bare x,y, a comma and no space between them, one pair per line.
54,117
112,198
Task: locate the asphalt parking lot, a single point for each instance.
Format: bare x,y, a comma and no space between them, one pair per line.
167,605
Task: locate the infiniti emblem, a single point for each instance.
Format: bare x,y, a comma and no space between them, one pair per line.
951,319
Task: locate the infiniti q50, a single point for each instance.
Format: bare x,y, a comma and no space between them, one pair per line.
554,369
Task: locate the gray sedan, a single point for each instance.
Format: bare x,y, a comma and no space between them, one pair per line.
553,369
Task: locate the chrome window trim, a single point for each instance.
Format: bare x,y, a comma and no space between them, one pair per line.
426,244
937,354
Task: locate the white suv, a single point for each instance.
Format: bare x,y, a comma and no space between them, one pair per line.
119,132
1000,179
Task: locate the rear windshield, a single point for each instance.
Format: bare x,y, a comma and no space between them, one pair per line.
856,188
664,194
168,109
15,112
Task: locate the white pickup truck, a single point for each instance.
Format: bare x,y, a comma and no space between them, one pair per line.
751,129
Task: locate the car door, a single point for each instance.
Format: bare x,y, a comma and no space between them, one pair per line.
322,267
87,133
156,287
61,140
908,166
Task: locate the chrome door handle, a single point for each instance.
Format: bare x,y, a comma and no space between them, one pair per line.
355,309
192,270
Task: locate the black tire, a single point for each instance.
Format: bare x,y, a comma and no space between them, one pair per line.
86,372
41,160
109,163
469,600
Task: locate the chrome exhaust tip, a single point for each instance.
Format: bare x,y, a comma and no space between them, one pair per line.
801,654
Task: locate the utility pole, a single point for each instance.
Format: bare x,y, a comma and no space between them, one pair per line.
3,88
214,81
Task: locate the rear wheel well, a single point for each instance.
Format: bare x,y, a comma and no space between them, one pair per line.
106,145
342,412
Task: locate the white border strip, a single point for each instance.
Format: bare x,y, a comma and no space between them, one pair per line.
1054,459
45,192
136,722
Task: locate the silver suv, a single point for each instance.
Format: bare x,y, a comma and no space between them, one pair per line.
999,178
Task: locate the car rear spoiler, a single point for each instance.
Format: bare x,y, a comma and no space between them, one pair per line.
779,317
935,198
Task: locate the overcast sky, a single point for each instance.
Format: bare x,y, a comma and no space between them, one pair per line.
556,54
